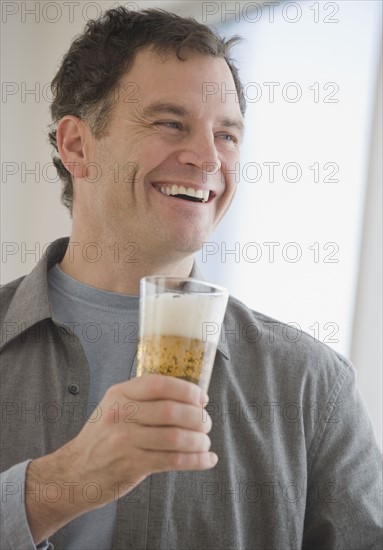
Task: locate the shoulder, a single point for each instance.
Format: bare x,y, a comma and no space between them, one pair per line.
283,348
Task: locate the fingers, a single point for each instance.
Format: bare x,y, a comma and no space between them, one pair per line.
173,461
172,413
150,424
151,387
170,439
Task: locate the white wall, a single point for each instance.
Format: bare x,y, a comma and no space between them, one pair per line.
366,348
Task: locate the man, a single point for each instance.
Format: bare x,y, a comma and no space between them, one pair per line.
93,457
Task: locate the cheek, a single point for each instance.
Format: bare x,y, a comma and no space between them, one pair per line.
232,177
231,169
146,157
233,180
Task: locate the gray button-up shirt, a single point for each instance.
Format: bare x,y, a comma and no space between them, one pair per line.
298,463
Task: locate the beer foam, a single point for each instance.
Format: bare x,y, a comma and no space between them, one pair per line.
188,315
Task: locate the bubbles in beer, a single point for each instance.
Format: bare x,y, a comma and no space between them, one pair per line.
188,358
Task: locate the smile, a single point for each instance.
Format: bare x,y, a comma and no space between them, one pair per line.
186,193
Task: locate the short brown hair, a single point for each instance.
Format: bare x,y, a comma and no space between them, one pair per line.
98,58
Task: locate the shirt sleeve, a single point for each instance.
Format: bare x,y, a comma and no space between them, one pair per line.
344,502
14,532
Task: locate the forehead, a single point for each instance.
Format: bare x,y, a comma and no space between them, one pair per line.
199,81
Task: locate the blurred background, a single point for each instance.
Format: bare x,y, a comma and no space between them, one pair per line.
302,241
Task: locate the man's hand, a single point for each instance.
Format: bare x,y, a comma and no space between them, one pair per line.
150,424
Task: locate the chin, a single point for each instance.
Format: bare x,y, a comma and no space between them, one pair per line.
188,244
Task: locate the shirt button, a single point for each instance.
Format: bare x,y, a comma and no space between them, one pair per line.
73,388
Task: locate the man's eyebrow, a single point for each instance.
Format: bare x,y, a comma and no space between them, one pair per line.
233,123
160,107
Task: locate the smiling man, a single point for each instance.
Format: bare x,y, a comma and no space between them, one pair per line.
93,457
164,170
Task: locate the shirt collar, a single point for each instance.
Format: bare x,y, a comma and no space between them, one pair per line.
30,303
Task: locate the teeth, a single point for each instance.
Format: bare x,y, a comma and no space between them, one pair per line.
199,194
181,190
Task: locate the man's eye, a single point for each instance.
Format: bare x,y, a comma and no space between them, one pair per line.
170,124
229,137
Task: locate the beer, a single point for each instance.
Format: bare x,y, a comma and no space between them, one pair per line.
188,358
179,328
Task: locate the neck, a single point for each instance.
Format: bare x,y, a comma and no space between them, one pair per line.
118,267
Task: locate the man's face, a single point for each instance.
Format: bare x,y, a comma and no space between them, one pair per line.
165,138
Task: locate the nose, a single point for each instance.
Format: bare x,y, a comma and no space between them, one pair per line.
200,150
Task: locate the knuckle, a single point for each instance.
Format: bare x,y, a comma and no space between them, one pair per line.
175,437
155,383
170,411
199,461
110,416
175,460
207,443
192,392
112,392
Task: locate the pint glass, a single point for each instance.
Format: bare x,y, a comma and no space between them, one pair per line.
179,327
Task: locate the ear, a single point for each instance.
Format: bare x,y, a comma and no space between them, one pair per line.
71,138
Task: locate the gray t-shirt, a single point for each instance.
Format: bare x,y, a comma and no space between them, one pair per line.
107,325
